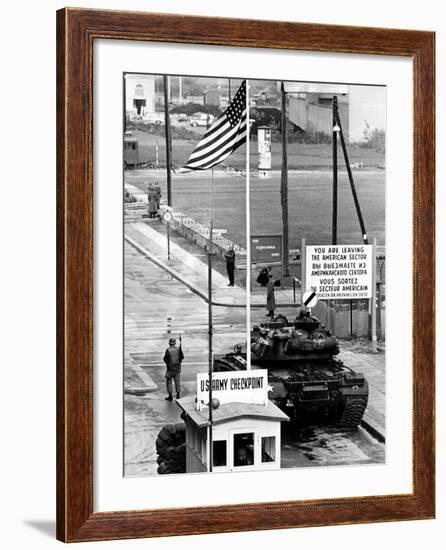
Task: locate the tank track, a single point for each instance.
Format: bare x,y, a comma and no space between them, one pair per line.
353,412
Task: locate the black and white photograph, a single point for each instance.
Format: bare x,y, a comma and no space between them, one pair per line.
254,274
222,244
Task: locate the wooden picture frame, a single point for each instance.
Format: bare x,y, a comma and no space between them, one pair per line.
77,29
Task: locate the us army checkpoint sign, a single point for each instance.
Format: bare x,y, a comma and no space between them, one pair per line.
340,271
250,386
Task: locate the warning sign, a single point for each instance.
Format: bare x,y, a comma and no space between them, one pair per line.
340,271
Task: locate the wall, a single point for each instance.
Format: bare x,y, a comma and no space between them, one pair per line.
305,110
28,276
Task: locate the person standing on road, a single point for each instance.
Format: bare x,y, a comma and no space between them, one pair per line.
270,297
158,194
173,358
230,264
153,201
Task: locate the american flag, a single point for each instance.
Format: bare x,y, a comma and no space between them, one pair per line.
224,136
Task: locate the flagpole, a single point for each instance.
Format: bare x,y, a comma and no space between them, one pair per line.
248,240
210,324
168,139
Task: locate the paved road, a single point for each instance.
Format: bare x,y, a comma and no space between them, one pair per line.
156,307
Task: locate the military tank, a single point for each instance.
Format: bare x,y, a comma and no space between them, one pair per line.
307,380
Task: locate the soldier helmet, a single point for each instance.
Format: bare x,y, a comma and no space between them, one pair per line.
172,341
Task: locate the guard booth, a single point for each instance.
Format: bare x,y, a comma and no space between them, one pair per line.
131,151
246,425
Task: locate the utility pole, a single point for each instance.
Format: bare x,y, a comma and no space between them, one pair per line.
168,140
350,177
284,188
334,223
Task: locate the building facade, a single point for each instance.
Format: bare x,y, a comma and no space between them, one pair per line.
139,94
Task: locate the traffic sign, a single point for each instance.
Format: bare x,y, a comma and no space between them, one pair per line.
309,299
167,216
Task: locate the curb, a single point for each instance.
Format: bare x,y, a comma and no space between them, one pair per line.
148,385
139,390
195,289
373,430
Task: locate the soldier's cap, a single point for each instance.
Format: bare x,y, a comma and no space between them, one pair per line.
172,341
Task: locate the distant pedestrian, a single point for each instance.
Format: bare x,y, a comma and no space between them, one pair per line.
153,201
230,264
158,194
173,358
270,297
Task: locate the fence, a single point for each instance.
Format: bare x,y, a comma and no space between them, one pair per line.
349,320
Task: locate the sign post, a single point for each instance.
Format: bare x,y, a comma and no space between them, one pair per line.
303,274
373,298
167,218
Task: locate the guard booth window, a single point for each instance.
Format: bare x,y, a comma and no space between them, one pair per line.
268,449
243,449
219,453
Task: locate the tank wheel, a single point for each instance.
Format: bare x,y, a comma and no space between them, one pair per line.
353,412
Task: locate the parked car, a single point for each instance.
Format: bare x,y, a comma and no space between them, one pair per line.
154,118
201,119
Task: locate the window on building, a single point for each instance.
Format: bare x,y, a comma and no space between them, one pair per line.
139,90
268,449
219,453
243,449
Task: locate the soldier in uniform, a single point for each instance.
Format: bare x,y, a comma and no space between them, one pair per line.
270,297
158,194
173,358
152,199
230,264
